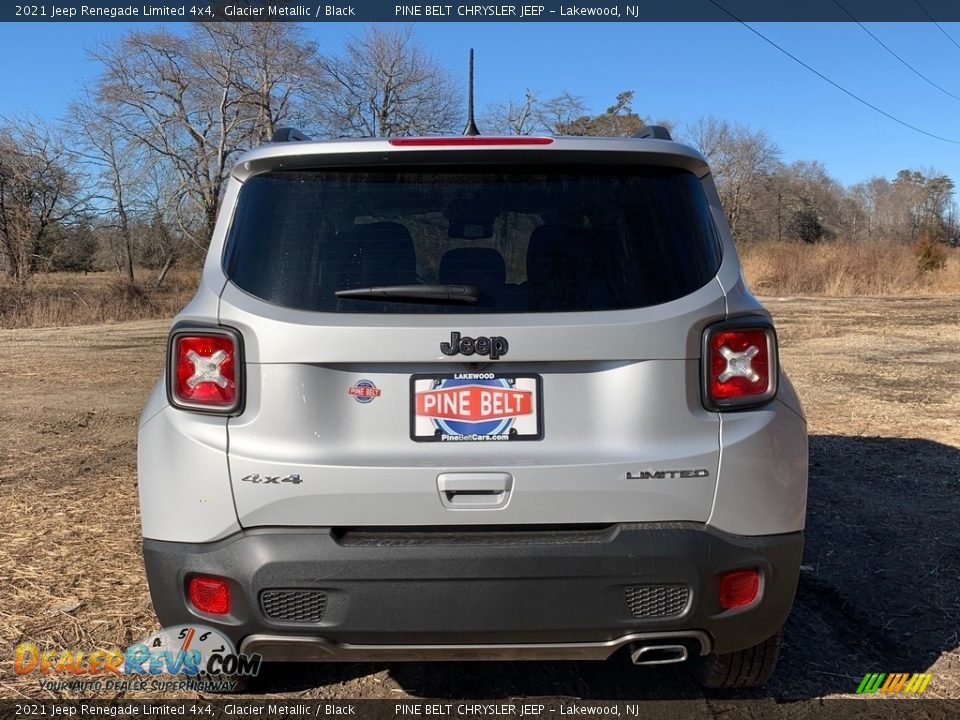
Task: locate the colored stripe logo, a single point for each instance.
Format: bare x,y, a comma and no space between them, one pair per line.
894,683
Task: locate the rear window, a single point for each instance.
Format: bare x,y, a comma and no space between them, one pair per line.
531,239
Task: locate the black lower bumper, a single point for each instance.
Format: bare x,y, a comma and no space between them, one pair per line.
484,587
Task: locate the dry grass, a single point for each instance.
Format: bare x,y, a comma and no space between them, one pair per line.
845,270
772,269
69,545
60,299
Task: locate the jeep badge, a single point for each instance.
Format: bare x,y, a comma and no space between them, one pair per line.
494,346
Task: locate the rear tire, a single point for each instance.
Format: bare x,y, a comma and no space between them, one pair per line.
746,668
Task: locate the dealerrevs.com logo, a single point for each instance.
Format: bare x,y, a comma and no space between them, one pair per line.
202,658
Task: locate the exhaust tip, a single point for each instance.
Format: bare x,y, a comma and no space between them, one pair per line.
657,654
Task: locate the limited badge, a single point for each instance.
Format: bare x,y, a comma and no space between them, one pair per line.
364,391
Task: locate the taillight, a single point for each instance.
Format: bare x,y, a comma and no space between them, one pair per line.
738,588
740,365
205,367
209,594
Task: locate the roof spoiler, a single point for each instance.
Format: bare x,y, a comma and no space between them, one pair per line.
657,132
288,134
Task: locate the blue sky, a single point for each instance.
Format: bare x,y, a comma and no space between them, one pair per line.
678,71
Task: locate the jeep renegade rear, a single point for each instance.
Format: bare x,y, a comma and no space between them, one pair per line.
476,398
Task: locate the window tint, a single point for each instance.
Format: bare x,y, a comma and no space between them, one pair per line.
531,239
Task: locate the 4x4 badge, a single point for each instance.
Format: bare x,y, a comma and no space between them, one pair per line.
258,479
493,346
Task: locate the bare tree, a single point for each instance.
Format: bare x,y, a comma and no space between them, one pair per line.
765,199
917,203
558,113
196,101
514,117
709,135
927,195
279,77
385,83
159,90
813,202
168,227
40,194
742,160
117,167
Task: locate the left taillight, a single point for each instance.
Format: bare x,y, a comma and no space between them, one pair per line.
740,366
205,368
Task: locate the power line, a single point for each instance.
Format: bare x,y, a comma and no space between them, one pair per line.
887,48
826,79
939,27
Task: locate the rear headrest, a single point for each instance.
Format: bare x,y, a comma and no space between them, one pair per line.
559,268
382,254
552,247
479,266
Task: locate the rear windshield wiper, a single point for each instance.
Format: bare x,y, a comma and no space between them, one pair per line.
437,293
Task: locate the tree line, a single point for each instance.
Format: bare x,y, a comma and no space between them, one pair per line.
136,168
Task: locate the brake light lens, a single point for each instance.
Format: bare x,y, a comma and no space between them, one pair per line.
739,588
210,595
469,141
204,370
741,367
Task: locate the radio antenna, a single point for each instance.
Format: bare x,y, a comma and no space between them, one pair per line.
471,128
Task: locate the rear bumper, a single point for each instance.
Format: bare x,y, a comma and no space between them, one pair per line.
490,593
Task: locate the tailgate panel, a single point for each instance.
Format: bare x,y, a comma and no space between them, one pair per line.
357,465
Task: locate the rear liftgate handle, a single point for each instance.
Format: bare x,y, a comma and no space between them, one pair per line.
474,491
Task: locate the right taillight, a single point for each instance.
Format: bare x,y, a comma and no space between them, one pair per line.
204,372
740,365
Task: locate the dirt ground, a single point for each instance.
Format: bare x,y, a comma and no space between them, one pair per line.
879,591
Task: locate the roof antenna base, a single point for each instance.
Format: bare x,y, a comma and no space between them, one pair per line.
288,134
657,132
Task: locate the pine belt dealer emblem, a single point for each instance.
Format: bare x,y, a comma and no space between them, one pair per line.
364,391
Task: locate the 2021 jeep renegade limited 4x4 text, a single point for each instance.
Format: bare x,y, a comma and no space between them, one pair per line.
476,398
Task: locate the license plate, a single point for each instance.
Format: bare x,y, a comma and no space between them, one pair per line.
475,407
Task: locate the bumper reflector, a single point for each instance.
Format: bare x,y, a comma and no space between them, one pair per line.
739,588
209,595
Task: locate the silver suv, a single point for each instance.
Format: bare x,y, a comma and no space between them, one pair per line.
476,398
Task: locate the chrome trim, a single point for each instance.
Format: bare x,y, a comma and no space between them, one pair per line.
679,654
298,648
